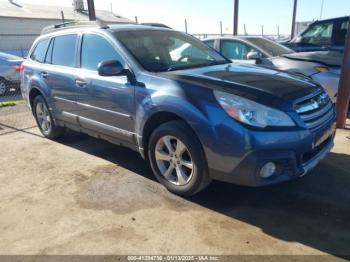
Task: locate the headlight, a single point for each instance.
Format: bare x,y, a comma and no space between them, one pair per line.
250,112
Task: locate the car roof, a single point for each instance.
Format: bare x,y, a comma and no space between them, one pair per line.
88,25
245,37
331,19
9,56
135,27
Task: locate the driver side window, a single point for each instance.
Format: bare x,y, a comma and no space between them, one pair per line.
235,50
96,49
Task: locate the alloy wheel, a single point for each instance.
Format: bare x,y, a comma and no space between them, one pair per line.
174,160
43,117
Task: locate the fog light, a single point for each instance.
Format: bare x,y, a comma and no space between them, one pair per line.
268,170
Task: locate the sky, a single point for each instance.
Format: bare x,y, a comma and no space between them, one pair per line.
204,16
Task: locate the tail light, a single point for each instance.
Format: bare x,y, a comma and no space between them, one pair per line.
17,68
20,68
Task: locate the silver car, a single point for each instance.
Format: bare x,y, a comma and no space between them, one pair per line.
9,73
322,66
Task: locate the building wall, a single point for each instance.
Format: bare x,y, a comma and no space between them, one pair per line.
18,34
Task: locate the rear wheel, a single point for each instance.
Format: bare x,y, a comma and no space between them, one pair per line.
44,119
4,87
177,159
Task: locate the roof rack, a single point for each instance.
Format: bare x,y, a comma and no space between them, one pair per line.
72,24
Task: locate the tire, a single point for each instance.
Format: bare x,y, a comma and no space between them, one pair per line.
4,87
177,159
44,119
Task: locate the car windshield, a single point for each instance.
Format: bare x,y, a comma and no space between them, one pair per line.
160,51
270,47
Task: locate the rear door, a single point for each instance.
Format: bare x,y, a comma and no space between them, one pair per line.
60,73
105,104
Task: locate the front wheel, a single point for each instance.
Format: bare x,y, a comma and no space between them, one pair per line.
177,159
44,119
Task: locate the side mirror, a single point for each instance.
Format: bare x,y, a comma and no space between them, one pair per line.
253,55
110,68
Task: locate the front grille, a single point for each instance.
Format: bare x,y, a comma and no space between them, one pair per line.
315,110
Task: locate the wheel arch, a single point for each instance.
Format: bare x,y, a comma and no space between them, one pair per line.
33,93
194,122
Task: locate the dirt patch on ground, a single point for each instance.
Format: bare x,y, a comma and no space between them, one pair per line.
81,195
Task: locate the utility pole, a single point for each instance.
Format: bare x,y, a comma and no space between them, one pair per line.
136,20
344,86
221,28
245,29
262,30
321,13
62,16
186,26
294,17
235,17
91,9
278,32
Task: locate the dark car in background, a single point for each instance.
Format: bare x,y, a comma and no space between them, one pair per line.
193,117
321,35
9,73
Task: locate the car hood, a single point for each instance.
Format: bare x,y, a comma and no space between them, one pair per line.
328,58
247,80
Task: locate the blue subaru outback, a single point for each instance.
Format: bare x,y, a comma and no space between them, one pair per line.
191,113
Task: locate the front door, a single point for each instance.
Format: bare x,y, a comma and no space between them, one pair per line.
104,104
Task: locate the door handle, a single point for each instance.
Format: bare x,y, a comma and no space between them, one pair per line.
80,83
44,74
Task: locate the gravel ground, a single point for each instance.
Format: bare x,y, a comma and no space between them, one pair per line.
80,195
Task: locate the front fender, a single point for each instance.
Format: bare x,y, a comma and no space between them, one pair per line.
178,106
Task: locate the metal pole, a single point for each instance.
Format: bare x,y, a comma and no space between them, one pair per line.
235,17
221,28
344,86
294,17
136,20
91,8
321,13
262,30
278,32
245,30
62,16
186,25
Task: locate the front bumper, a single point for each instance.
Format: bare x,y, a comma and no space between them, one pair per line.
295,153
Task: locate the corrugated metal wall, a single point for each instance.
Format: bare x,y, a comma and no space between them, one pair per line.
18,34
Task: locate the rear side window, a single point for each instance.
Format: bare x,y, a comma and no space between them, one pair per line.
63,52
96,49
40,51
48,59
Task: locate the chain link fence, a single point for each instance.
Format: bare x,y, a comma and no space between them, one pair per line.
14,114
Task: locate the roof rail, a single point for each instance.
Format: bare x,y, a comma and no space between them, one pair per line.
57,27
